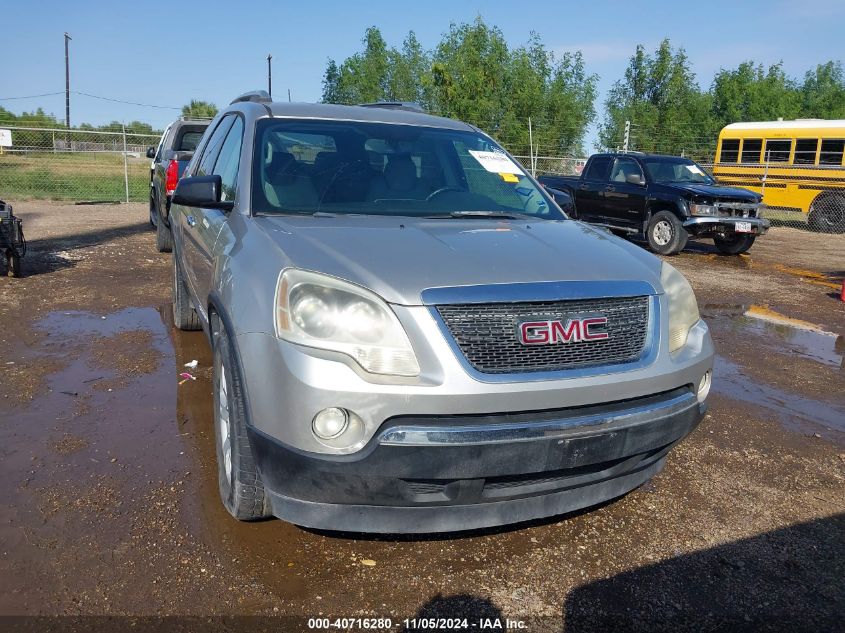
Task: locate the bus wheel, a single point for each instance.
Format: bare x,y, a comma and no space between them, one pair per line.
827,214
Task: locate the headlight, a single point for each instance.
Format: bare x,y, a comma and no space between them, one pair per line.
683,308
324,312
703,209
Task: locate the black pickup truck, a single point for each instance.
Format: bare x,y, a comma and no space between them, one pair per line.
668,199
174,152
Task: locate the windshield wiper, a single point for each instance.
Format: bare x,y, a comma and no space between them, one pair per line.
504,215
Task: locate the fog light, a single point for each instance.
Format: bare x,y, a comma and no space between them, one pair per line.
330,423
704,386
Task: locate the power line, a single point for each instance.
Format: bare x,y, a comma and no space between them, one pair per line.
46,94
135,103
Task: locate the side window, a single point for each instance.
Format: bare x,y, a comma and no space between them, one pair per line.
805,151
227,162
831,153
161,144
777,151
751,148
730,150
599,168
624,167
212,147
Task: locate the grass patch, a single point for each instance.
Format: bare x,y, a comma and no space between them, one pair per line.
81,176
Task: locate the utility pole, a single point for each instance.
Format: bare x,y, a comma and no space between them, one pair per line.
67,81
270,74
627,136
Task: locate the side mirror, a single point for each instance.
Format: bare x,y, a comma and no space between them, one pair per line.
201,191
635,179
151,152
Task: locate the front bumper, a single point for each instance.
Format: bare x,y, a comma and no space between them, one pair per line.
422,474
709,225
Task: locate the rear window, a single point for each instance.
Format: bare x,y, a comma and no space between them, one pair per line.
751,148
831,153
189,141
730,150
599,168
805,151
777,151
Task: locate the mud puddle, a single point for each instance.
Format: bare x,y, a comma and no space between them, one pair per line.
784,334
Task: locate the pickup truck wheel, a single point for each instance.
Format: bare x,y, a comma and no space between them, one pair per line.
241,488
153,212
735,244
164,238
184,315
666,235
827,214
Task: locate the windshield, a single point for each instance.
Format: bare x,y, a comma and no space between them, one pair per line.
667,169
350,167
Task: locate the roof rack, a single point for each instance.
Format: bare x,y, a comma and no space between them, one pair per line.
395,105
255,96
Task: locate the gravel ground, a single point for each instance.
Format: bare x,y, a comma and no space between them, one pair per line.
110,505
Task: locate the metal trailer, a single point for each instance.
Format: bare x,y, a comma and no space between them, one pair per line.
12,241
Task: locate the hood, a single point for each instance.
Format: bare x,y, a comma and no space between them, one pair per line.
718,192
399,257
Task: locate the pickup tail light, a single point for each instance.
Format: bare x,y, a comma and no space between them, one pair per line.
171,177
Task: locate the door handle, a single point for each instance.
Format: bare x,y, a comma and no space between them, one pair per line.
610,188
191,220
583,187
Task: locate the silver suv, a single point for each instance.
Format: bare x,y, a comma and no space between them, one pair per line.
408,333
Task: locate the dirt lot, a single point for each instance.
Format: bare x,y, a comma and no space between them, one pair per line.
110,505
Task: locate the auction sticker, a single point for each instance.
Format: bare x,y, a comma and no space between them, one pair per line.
496,163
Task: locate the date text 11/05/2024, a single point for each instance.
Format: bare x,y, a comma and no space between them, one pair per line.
433,624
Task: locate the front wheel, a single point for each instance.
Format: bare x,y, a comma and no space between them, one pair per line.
241,488
827,214
734,245
666,235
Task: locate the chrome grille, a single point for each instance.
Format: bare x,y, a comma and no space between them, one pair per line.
487,334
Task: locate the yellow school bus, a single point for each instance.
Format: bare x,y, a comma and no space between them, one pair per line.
796,165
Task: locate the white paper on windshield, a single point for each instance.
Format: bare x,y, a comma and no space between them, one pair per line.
695,169
496,163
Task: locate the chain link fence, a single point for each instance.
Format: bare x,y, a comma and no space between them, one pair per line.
109,166
75,165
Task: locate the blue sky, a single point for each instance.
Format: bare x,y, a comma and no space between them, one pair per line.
166,53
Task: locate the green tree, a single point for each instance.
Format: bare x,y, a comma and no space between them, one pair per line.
823,92
362,78
667,109
753,93
199,109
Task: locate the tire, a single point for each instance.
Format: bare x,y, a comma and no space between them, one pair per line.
184,315
734,245
665,234
827,214
13,264
164,238
153,212
241,489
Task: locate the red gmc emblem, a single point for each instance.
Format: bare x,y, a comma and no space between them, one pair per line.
553,332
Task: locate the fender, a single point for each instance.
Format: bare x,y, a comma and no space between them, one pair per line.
672,203
215,307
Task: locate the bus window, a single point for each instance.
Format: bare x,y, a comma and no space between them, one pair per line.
777,151
831,153
805,151
730,150
751,150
